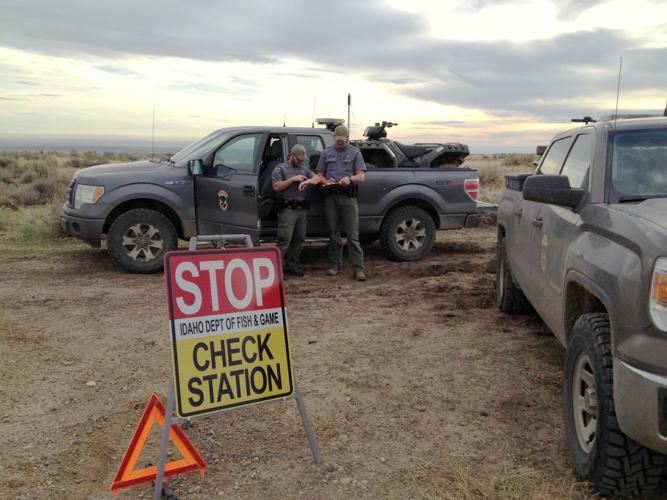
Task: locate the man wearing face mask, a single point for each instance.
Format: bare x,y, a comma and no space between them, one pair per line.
342,169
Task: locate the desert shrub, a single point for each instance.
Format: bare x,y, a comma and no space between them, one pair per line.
76,162
491,176
27,197
37,223
49,189
517,159
7,202
41,191
49,225
6,176
27,177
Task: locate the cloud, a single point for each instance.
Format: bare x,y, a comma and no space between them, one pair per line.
116,70
552,79
548,79
245,82
28,97
253,30
567,9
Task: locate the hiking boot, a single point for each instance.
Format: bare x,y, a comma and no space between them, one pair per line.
359,275
333,271
293,272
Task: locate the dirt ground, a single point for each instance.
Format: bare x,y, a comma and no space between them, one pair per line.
416,385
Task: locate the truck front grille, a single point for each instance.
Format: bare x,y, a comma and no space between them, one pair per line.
71,191
662,405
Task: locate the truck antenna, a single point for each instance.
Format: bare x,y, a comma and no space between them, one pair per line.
349,104
664,113
618,88
284,115
312,124
153,137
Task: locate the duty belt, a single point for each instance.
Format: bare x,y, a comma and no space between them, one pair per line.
350,191
293,203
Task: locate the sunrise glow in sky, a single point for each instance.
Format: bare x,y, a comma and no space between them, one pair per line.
498,75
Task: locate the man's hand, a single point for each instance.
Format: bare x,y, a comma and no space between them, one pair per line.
298,178
345,181
304,184
328,182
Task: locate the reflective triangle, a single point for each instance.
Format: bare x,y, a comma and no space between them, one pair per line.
128,476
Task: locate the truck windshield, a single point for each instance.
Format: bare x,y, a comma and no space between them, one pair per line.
198,149
639,164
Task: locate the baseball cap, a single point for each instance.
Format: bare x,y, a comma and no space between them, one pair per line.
299,151
340,134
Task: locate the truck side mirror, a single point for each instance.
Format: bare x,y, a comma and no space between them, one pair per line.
195,167
539,151
553,190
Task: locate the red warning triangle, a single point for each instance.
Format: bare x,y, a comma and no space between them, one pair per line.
192,460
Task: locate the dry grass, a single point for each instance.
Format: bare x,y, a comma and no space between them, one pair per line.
33,187
29,178
470,477
493,168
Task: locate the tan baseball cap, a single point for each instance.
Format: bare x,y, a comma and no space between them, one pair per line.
340,134
299,151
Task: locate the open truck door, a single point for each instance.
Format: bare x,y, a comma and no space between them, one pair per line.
227,197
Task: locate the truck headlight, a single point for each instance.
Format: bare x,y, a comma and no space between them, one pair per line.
658,304
87,194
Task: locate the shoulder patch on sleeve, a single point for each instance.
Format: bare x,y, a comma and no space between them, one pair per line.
276,170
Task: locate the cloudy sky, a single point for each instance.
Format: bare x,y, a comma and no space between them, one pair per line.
500,75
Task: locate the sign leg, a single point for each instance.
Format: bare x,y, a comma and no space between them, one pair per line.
306,424
164,444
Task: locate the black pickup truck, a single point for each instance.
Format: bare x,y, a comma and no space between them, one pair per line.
583,241
221,184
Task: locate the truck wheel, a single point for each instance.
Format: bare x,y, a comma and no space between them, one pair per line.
139,238
407,233
509,297
599,451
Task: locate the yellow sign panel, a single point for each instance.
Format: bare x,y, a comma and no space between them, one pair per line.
229,334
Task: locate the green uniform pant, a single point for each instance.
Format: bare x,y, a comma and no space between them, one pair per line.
292,223
342,213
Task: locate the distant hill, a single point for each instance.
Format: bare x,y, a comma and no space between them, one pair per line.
99,144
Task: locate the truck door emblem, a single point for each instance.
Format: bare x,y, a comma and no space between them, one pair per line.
223,200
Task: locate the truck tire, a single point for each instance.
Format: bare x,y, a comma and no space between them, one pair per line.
599,451
407,233
139,238
509,297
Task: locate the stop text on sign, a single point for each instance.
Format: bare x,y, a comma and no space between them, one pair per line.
242,284
228,326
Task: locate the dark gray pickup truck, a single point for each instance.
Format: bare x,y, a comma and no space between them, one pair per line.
584,242
221,184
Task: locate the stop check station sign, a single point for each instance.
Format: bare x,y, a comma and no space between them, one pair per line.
228,329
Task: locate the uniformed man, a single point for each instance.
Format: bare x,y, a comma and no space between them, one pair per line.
290,180
342,169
